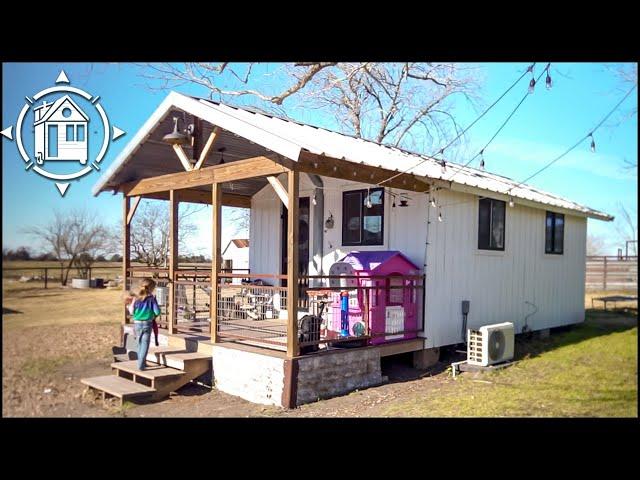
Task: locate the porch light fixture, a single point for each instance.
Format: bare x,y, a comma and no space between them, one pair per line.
403,203
176,137
329,223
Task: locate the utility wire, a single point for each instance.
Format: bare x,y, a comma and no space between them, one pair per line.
526,95
463,131
590,134
605,118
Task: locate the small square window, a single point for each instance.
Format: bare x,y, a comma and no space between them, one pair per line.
70,137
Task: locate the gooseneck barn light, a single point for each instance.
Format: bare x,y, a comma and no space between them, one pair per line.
176,137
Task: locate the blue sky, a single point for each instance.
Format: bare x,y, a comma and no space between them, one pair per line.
546,124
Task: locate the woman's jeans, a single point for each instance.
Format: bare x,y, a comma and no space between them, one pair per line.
143,336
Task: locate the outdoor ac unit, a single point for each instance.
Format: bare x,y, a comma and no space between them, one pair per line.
490,344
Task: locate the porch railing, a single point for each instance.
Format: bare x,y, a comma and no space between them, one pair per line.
252,308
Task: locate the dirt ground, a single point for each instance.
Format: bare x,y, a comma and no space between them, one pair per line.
52,338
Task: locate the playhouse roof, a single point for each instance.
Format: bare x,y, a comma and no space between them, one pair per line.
371,260
290,138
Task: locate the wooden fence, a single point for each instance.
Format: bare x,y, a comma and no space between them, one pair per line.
612,273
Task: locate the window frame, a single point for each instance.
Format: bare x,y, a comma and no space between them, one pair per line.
554,215
492,201
363,193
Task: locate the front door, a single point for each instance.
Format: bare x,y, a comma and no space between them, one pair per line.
303,248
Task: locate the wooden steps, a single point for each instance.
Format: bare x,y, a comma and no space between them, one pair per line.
118,387
168,369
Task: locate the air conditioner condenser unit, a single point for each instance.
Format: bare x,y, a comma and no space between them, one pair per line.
490,344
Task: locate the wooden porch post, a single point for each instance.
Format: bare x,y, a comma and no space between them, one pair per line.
292,264
173,258
216,256
126,250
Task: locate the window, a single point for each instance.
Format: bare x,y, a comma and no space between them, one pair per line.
70,133
362,225
80,133
554,233
491,224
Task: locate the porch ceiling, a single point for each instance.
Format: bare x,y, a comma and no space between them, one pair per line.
154,157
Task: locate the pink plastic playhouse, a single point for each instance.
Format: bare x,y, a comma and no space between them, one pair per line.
392,307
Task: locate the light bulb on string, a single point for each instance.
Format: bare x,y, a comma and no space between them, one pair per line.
443,166
532,85
482,160
433,202
313,200
369,205
439,215
511,204
593,143
548,82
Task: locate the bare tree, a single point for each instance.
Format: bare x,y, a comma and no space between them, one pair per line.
240,219
627,228
398,104
150,232
75,238
596,245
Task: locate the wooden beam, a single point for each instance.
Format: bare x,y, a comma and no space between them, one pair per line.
126,250
216,257
292,264
173,258
252,167
207,148
182,156
280,190
202,196
332,167
132,210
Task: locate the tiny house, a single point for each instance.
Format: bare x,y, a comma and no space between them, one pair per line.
420,238
60,131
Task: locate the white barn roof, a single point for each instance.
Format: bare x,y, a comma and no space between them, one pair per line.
288,138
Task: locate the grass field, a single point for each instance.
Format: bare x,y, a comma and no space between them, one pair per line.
54,337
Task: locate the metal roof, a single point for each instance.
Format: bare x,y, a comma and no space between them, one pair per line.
288,138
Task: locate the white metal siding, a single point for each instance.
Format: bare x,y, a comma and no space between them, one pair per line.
499,283
496,283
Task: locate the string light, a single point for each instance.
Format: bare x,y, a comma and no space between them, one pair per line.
482,160
313,200
439,215
593,143
443,164
548,81
532,83
433,201
369,205
511,202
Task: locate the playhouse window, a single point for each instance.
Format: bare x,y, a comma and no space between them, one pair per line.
554,233
70,133
491,224
362,225
80,134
